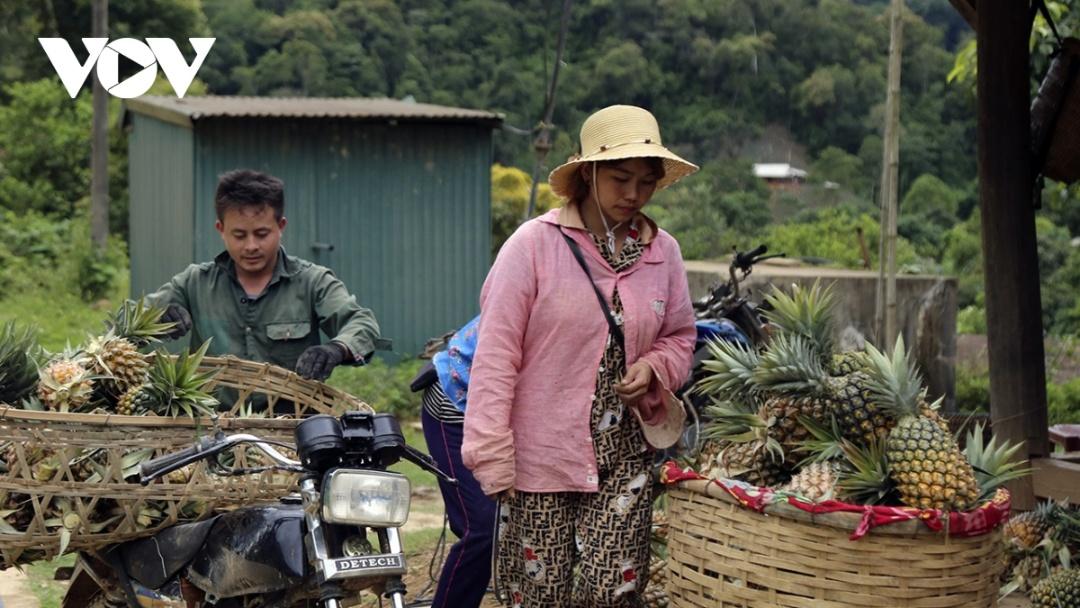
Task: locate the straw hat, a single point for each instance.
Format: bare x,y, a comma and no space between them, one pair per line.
616,133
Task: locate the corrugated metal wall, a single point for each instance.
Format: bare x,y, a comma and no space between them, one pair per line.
160,166
406,208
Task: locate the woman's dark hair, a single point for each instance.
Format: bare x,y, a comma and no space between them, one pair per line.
246,188
581,188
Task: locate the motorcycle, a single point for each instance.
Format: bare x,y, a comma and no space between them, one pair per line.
725,313
313,549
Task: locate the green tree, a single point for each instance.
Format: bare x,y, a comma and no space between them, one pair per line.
509,198
831,236
45,139
836,165
690,213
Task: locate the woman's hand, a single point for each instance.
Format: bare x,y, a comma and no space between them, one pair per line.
635,383
507,494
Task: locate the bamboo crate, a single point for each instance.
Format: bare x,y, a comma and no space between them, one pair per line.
723,555
112,437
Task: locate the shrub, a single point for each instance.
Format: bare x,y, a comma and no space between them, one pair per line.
1063,402
972,389
385,387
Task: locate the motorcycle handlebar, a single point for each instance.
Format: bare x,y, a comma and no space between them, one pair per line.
745,260
205,448
162,465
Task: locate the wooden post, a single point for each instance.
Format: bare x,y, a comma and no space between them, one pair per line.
890,170
542,143
1010,259
99,143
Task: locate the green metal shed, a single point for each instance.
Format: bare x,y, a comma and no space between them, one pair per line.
394,196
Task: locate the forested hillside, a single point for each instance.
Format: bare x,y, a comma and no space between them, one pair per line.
732,81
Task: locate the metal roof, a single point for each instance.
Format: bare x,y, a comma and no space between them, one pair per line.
778,171
190,109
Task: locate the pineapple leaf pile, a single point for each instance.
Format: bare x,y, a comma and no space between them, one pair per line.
800,416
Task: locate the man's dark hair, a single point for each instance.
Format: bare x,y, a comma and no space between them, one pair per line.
246,188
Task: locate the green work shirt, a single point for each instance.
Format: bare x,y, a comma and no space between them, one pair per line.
276,325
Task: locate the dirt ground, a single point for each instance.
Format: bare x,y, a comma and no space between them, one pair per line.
15,591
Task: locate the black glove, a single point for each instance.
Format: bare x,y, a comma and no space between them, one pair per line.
317,362
179,315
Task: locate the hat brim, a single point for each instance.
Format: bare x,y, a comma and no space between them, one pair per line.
666,432
561,179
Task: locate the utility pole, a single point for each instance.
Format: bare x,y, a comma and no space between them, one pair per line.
99,143
542,143
890,169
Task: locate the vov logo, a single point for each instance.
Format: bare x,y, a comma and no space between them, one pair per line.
106,55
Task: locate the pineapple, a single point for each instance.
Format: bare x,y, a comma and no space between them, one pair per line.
806,313
118,360
930,411
654,595
65,385
847,362
791,366
129,401
1060,590
729,373
731,377
1027,530
1027,572
792,415
865,478
994,465
18,368
749,453
176,386
138,323
930,469
815,482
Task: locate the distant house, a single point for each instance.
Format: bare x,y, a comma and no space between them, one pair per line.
780,176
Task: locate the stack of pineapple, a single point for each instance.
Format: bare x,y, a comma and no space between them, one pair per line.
804,418
111,373
1039,548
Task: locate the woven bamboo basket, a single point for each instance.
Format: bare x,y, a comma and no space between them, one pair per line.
723,555
110,439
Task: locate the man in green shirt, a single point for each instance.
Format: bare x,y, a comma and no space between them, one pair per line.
256,302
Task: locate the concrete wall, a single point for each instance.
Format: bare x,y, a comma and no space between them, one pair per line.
926,310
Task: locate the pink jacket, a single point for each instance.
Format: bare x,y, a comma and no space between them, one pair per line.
542,337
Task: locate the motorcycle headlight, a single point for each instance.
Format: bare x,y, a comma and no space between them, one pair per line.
365,498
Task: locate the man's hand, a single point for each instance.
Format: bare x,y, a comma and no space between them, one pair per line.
180,317
317,362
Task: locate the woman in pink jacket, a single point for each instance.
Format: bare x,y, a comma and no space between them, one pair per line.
555,377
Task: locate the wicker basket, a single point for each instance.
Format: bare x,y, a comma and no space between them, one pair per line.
721,555
111,437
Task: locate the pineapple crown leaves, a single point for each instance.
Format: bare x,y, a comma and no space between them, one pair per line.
993,461
893,382
866,478
733,422
791,365
738,424
176,386
729,371
139,322
824,444
807,312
